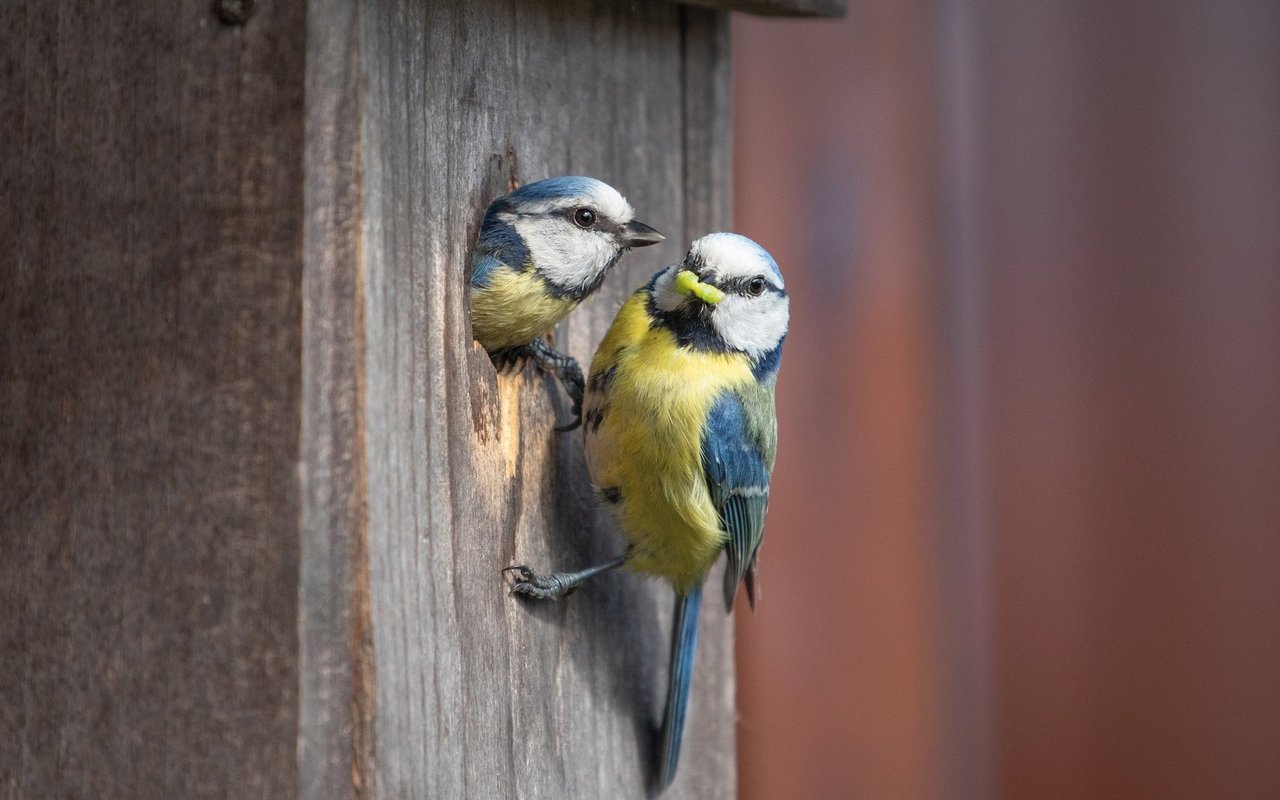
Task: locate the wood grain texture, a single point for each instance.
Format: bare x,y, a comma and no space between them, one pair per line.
149,385
261,479
336,677
778,8
478,694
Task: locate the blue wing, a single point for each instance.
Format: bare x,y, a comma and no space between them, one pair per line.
737,472
737,456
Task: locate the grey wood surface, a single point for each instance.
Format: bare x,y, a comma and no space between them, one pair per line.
258,481
477,694
336,676
150,274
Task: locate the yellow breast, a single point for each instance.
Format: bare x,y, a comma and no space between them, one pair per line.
514,309
644,426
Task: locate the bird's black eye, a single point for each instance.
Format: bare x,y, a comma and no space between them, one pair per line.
756,287
584,217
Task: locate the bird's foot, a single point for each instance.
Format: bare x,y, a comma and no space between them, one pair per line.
566,369
510,360
524,581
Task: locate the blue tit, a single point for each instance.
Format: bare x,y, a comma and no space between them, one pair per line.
542,250
680,437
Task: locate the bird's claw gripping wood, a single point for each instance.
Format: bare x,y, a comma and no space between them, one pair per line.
567,370
532,584
510,360
558,584
575,384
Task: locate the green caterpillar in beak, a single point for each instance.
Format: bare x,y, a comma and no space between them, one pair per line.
688,285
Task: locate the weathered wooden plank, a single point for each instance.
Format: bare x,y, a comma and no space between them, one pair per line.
778,8
336,703
265,479
149,386
477,694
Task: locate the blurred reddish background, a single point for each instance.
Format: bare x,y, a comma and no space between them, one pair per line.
1025,535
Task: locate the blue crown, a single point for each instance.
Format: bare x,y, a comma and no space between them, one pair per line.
556,188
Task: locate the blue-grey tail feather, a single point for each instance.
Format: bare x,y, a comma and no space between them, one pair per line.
684,641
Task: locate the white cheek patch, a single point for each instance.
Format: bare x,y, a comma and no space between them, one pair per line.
753,325
664,291
563,253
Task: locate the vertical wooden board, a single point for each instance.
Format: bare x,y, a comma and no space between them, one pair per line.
335,701
149,305
478,694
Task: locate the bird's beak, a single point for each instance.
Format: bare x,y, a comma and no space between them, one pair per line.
688,285
637,234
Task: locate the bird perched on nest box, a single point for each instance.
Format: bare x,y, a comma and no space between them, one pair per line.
681,434
543,249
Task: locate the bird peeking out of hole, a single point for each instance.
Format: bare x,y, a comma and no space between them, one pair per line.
543,249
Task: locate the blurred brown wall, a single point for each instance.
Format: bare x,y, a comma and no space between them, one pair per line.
1025,535
839,669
